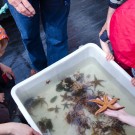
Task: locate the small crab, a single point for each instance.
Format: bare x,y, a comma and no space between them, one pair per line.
31,103
39,100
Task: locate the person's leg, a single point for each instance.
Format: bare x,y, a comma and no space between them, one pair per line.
54,15
30,33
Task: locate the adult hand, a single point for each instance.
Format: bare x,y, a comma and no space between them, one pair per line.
23,7
20,129
7,70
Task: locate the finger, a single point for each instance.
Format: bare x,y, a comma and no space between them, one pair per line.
108,57
24,11
112,57
29,7
133,82
9,76
14,3
36,133
12,74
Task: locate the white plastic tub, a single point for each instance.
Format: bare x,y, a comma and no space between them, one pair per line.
22,91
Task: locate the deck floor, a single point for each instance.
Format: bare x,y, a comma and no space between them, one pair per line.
85,21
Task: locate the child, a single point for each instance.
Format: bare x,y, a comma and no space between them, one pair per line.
7,105
6,83
122,29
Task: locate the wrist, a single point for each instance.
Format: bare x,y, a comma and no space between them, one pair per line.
10,128
122,117
6,129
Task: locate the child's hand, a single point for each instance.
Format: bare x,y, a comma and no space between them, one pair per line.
133,81
109,56
2,97
114,113
7,70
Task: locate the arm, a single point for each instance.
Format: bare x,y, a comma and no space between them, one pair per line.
106,49
23,7
121,115
16,129
126,118
7,70
113,4
109,16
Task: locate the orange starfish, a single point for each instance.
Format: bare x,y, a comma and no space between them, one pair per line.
106,104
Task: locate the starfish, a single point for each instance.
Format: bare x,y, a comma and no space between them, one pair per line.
106,104
96,82
65,97
66,105
56,109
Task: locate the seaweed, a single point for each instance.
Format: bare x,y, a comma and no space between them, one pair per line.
45,124
53,99
59,87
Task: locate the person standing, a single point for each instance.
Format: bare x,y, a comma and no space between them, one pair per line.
121,31
54,17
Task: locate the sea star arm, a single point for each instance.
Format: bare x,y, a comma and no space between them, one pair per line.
113,101
105,99
100,102
102,109
115,108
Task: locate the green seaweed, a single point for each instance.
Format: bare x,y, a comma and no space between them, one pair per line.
53,99
59,88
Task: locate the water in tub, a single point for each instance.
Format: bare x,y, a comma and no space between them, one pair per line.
63,105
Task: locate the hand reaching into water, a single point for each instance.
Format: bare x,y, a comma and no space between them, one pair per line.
121,115
115,113
23,7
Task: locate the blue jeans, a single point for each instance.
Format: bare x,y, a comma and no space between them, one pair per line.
54,15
